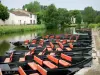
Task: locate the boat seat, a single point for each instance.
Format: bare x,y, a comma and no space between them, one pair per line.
1,72
34,41
66,57
58,49
52,53
64,63
33,65
38,60
41,70
61,45
34,74
64,41
53,59
51,44
57,40
21,71
48,46
49,64
68,49
71,45
39,46
7,60
28,53
22,59
49,49
46,63
57,37
40,53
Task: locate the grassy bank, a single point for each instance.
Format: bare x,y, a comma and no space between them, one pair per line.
94,25
19,28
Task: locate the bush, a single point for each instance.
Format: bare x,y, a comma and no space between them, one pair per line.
92,25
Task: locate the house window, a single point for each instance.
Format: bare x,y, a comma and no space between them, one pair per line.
24,22
33,21
30,21
20,22
30,15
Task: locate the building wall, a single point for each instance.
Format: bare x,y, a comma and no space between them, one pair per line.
18,20
1,22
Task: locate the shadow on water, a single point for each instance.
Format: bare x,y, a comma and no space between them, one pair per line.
5,39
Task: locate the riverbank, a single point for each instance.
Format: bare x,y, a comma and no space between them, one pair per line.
19,28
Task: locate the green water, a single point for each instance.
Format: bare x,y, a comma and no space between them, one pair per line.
7,38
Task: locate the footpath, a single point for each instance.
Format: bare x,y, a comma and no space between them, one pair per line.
95,67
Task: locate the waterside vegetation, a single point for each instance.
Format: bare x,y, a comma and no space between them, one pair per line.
19,28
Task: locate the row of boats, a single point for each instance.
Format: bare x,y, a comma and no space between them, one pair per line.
62,54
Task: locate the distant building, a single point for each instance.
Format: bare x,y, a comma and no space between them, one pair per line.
20,17
73,20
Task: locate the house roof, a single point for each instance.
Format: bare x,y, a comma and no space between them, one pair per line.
21,12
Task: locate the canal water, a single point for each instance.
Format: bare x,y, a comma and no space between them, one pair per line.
5,40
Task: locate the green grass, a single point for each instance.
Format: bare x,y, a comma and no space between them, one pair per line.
94,25
19,28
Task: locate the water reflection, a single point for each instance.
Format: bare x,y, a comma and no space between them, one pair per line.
4,46
5,39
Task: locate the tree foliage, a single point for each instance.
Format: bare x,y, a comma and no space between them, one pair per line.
63,16
33,7
51,17
97,19
3,12
89,15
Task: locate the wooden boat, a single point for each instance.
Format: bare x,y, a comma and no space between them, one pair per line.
49,55
50,64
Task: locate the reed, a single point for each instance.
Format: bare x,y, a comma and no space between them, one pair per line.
19,28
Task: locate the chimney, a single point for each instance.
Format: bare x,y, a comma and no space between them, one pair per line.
25,9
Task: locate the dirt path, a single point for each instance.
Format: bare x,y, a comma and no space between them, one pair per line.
95,68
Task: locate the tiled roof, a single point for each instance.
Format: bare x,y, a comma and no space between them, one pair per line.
21,13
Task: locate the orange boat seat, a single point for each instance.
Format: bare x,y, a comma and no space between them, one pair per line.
71,45
64,63
51,44
38,60
53,59
34,74
1,72
68,49
33,65
66,57
59,49
21,71
22,59
49,64
7,60
41,70
49,49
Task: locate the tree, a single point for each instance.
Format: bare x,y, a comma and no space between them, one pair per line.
89,15
33,7
51,17
3,12
97,19
63,16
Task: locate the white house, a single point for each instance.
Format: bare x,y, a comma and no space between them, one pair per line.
18,17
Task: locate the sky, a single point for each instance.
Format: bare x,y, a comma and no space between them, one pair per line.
68,4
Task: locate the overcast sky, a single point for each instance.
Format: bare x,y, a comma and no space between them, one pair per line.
69,4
